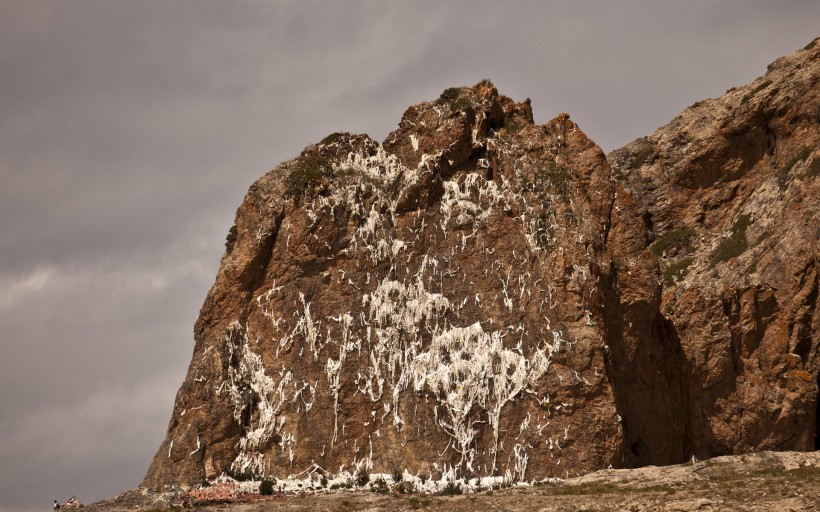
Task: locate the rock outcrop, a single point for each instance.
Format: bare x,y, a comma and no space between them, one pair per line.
729,195
481,295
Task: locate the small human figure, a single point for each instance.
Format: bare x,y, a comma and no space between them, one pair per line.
56,505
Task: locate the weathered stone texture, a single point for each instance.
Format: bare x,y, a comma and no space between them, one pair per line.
729,194
480,295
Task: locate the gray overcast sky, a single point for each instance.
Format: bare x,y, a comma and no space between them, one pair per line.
130,131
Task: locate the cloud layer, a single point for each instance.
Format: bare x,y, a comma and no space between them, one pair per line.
131,131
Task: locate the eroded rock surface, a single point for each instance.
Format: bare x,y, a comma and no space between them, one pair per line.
729,195
479,295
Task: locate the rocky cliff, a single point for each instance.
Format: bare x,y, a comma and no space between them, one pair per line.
481,295
729,197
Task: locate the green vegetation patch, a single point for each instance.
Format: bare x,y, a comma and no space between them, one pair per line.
512,126
266,487
734,245
544,233
397,476
761,86
783,172
362,477
449,94
451,489
404,487
556,176
641,157
239,476
304,177
379,486
344,485
230,239
676,271
391,188
462,103
670,239
333,137
452,96
756,90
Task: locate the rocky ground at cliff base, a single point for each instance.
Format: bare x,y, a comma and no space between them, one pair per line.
765,481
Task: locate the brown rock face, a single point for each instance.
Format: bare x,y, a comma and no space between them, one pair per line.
478,295
729,195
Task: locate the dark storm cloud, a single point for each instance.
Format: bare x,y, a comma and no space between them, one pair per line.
129,132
